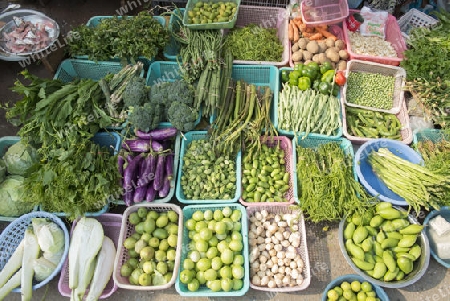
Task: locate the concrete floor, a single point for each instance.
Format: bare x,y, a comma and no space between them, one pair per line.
326,259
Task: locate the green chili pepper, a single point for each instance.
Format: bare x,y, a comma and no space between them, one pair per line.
328,76
304,83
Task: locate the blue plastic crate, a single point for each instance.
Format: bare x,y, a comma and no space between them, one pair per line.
203,291
381,294
203,135
368,178
337,133
172,50
314,142
5,143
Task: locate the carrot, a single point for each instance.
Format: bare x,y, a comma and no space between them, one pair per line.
314,36
291,30
302,27
296,34
309,29
327,34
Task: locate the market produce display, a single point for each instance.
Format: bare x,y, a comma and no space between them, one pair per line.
353,290
383,242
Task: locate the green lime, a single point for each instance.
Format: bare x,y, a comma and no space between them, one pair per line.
134,218
332,295
366,286
173,216
356,286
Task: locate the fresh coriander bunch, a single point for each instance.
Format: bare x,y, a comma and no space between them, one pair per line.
120,37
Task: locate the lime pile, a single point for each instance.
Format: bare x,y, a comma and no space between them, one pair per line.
152,247
210,12
355,290
215,258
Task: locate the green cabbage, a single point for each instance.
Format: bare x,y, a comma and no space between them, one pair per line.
49,235
2,170
43,268
19,157
11,197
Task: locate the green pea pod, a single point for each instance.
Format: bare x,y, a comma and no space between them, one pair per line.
407,240
390,275
389,243
415,251
349,229
412,229
376,221
405,264
363,265
379,270
360,234
389,260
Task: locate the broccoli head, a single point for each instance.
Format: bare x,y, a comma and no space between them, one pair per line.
135,93
146,117
182,116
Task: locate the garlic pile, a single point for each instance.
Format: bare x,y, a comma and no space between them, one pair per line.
274,242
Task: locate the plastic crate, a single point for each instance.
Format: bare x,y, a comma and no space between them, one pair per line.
334,29
317,12
380,293
434,135
286,145
267,3
5,143
336,134
176,159
203,135
111,227
266,17
172,50
392,35
398,95
405,132
203,291
314,142
217,25
111,140
414,18
13,234
367,176
127,229
302,249
445,213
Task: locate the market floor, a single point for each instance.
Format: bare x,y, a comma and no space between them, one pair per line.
326,259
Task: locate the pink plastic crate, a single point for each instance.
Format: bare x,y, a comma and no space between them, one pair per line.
334,29
111,226
316,12
403,117
393,35
286,146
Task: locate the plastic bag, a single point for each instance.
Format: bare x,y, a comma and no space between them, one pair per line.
374,22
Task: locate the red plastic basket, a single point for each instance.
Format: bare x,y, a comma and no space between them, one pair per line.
286,145
111,226
316,12
393,35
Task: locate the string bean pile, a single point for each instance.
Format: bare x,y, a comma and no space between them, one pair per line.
327,188
417,184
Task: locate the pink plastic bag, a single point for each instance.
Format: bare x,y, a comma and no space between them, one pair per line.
374,22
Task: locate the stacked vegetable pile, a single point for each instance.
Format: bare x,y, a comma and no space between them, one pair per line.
356,289
151,247
13,167
127,38
59,120
146,165
216,251
35,258
90,268
383,242
211,12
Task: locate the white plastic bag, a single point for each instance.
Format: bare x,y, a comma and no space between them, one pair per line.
374,22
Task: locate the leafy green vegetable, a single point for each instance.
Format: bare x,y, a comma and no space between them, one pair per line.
120,37
2,170
12,197
19,157
254,43
50,236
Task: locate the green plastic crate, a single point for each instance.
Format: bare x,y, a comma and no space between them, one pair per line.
72,69
337,133
315,142
5,143
218,25
434,135
203,291
202,135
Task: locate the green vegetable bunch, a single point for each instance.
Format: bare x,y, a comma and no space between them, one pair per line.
118,37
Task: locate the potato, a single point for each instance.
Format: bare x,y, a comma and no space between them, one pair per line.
307,56
343,54
295,47
297,56
333,55
329,42
302,42
322,46
342,65
315,58
312,47
339,44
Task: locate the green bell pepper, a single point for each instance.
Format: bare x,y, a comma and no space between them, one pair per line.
324,88
325,67
304,83
293,82
315,85
335,90
299,67
309,72
328,76
314,66
285,76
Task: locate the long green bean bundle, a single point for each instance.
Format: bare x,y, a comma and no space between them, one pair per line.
327,188
417,184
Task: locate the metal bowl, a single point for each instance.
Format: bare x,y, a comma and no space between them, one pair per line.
8,23
420,265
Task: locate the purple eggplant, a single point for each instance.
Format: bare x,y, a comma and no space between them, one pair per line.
129,157
140,194
164,191
136,145
120,165
157,134
150,194
147,170
158,181
128,197
131,171
169,166
156,146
